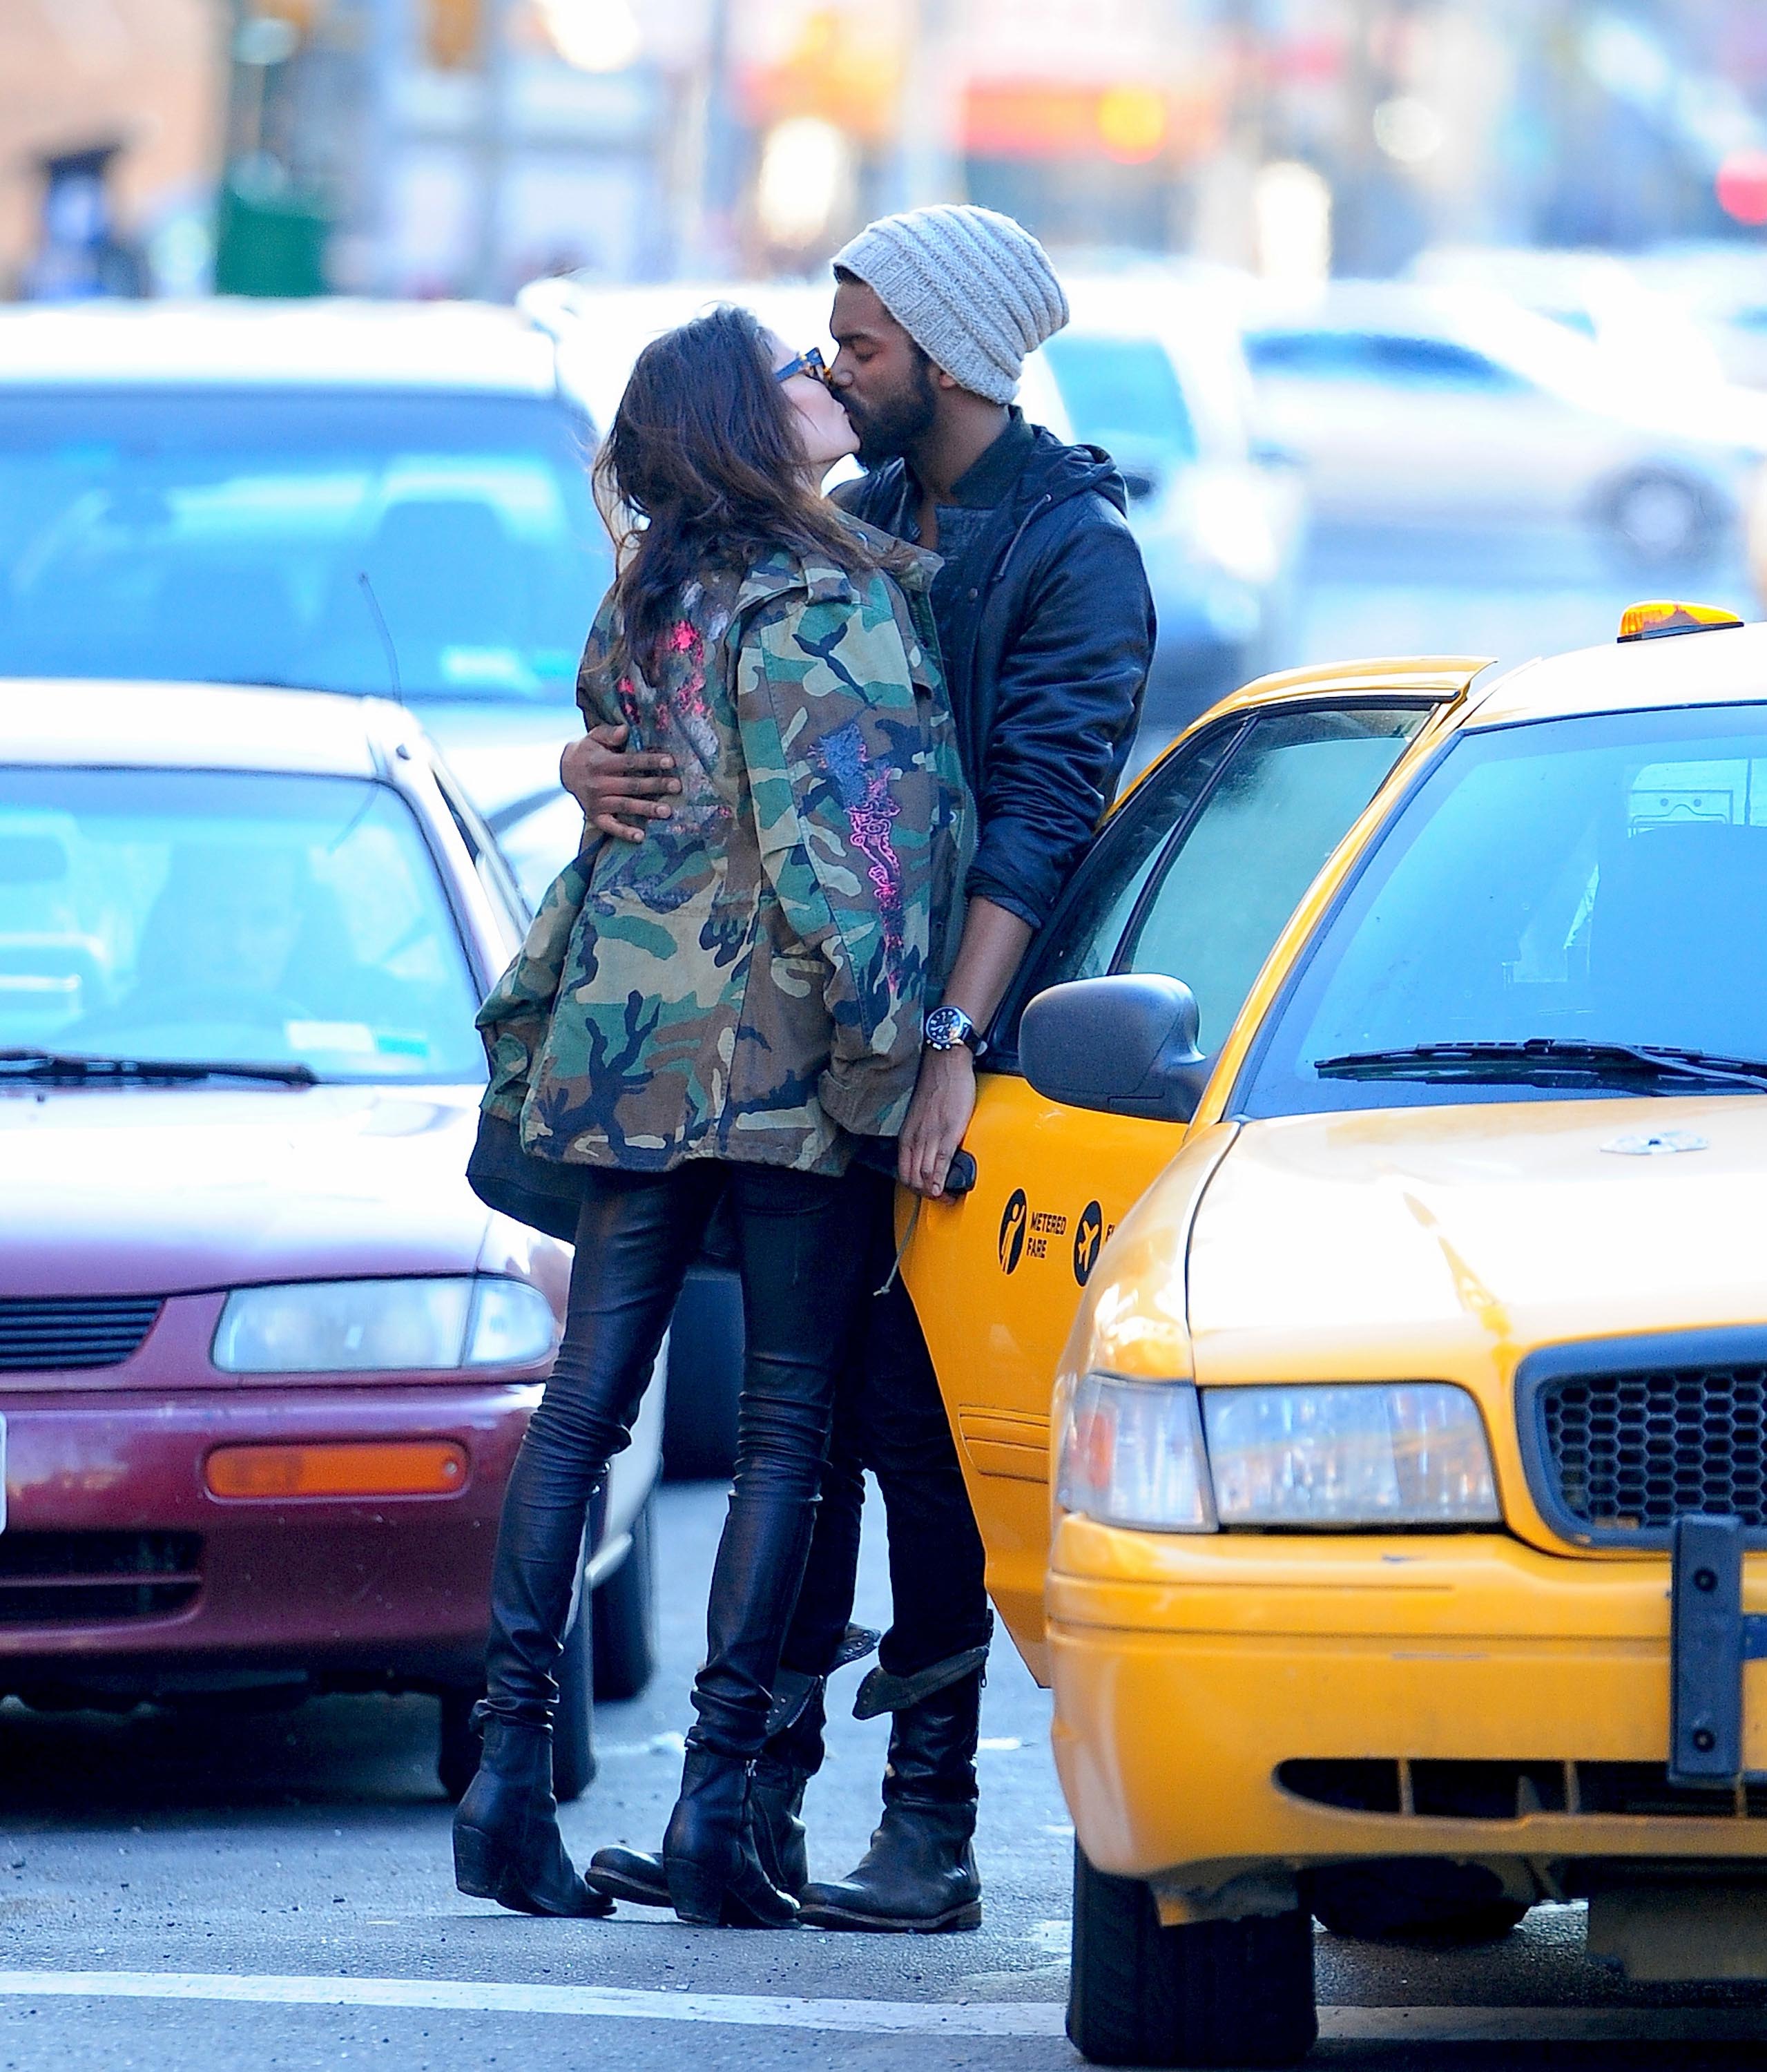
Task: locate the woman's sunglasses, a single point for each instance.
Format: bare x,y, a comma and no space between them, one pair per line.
810,363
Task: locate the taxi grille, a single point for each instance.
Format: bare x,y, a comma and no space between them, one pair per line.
1622,1437
1436,1790
1632,1452
54,1331
60,1579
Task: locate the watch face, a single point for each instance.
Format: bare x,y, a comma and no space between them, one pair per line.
946,1027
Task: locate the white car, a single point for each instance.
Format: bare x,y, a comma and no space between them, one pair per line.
1150,368
1440,407
376,497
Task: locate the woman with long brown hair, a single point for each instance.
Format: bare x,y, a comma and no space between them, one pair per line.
720,1012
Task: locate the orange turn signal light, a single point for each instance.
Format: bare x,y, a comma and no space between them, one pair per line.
1662,615
404,1467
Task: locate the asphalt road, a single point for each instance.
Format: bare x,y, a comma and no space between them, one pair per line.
234,1893
229,1893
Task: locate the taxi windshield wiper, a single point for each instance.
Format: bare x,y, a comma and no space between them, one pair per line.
1662,1066
70,1068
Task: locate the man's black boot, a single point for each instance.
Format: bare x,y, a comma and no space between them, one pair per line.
918,1877
715,1878
506,1839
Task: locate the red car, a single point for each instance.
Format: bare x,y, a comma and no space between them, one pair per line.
264,1358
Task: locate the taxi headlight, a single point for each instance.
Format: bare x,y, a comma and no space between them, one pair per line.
1412,1454
383,1326
1132,1454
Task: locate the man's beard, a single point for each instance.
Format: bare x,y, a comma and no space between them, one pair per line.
888,431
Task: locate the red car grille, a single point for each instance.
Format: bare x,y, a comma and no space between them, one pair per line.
50,1331
95,1578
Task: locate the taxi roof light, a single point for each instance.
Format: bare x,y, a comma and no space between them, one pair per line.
1659,617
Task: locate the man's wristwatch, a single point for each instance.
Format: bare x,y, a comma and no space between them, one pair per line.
950,1028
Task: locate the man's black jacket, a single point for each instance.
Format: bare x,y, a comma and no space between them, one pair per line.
1046,652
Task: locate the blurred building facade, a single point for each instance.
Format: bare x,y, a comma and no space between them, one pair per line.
80,76
447,146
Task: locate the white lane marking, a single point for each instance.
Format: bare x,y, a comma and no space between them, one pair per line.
1435,2025
632,2003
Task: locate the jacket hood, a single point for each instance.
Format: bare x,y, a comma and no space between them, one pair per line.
1058,470
1382,1242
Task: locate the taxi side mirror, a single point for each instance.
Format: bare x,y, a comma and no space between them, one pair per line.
1126,1044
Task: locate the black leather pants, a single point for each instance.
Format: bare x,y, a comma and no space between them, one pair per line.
890,1418
800,1240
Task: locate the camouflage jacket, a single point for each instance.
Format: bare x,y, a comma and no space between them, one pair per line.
749,980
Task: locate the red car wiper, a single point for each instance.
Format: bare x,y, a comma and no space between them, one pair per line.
68,1066
1548,1054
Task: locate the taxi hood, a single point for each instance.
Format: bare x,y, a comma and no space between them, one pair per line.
1384,1242
135,1190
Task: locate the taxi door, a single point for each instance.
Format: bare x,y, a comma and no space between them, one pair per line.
1194,876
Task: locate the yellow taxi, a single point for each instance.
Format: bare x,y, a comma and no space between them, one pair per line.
1387,1099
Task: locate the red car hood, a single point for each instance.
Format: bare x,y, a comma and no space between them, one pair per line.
140,1191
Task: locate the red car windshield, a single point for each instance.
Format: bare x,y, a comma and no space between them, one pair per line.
230,917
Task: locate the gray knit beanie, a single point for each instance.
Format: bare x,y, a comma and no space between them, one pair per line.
973,290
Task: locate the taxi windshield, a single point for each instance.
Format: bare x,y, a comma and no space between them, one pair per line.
228,917
440,546
1566,908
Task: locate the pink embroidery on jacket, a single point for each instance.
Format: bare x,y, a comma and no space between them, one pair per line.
865,797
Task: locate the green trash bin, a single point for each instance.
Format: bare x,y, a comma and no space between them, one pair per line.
270,244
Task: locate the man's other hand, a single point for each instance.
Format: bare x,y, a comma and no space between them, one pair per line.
615,788
943,1101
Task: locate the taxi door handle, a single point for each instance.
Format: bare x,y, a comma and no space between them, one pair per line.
960,1176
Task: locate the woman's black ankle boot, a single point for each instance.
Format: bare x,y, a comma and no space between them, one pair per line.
715,1878
506,1843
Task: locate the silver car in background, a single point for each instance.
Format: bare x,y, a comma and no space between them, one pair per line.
1456,408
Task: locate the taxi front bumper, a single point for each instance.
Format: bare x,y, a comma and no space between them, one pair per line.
1233,1699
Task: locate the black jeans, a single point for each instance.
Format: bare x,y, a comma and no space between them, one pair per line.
800,1238
890,1418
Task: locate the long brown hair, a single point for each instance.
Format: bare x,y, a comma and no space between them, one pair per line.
702,460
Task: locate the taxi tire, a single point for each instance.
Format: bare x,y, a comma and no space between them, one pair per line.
1216,1993
624,1611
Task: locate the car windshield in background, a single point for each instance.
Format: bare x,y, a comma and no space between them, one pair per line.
224,537
1570,906
1391,361
1122,394
228,917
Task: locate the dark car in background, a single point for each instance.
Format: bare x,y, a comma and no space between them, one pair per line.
264,1358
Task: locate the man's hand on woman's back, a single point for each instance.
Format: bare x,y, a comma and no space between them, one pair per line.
615,785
